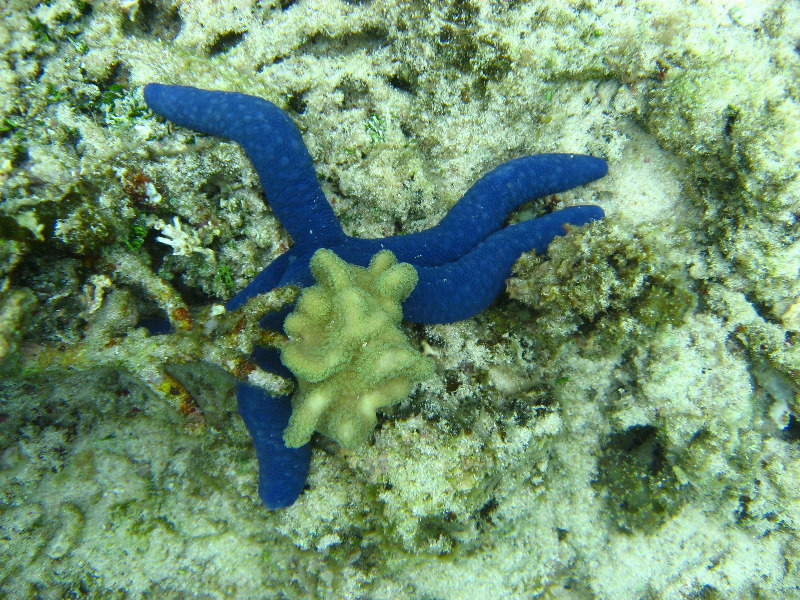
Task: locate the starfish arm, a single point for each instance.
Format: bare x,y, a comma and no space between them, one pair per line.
272,143
487,203
282,471
265,281
461,289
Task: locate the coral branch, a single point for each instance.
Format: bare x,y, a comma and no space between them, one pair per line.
212,336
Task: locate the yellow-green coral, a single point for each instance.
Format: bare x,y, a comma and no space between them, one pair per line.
346,349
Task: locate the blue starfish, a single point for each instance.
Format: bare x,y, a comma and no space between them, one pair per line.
462,262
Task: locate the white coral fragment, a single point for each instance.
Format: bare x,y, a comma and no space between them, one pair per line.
183,242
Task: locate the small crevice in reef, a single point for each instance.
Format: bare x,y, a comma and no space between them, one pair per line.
639,478
154,20
369,38
405,79
791,433
225,42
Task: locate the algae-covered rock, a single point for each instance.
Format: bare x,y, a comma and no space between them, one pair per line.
15,308
621,286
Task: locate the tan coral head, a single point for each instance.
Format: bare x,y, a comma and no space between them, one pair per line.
347,350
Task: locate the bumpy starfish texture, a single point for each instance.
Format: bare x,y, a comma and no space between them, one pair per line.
462,262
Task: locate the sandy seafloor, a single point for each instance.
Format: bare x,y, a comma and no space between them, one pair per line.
621,424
